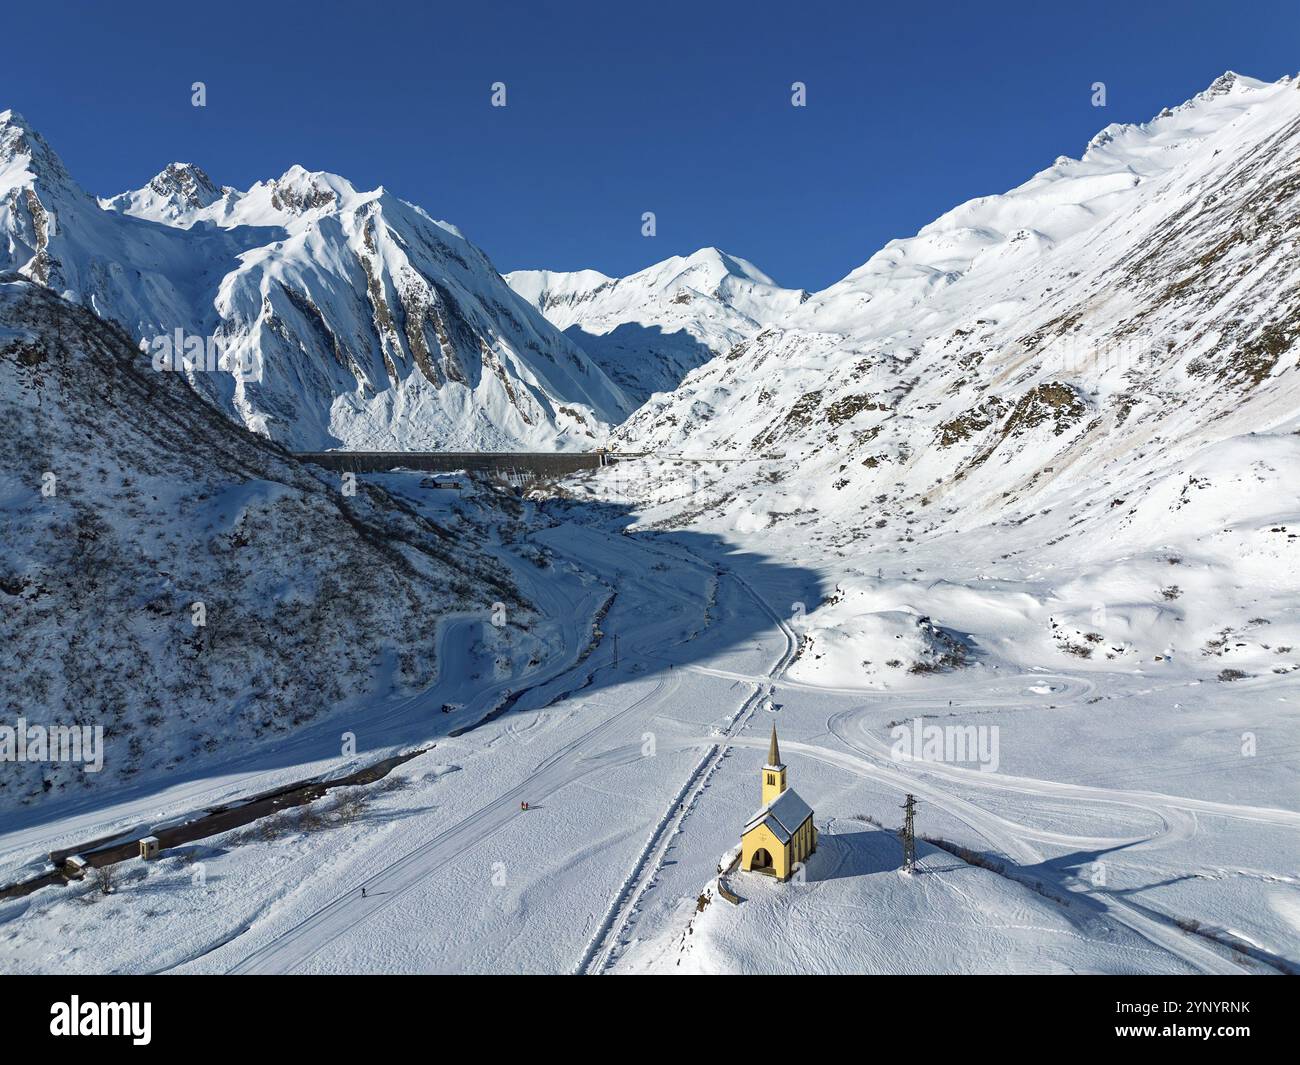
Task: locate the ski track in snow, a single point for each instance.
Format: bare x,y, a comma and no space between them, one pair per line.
565,766
602,952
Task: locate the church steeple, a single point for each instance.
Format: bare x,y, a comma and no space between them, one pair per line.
773,772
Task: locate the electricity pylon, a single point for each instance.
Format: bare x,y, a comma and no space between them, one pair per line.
908,834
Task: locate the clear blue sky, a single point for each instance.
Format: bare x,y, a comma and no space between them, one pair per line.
617,108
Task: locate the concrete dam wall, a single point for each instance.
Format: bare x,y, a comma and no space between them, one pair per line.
537,463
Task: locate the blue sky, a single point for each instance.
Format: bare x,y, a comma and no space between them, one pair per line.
615,109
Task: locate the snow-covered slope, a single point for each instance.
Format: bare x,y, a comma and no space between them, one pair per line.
947,917
1093,376
176,579
1040,337
651,328
365,322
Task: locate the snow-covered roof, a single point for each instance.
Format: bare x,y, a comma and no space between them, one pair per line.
783,815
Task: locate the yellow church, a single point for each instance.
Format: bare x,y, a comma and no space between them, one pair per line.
782,832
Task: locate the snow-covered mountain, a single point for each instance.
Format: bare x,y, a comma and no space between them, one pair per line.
176,579
1029,476
1094,375
651,328
149,278
1018,341
179,195
365,322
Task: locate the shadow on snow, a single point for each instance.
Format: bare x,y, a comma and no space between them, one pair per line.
751,591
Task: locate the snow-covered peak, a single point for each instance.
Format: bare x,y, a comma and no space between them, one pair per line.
708,266
586,296
556,290
649,329
370,323
298,190
27,159
183,195
1227,82
54,232
13,131
186,183
12,127
177,195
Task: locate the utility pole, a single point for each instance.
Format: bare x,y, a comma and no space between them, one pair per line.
908,834
616,650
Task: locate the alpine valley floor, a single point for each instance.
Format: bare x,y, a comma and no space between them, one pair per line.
1123,831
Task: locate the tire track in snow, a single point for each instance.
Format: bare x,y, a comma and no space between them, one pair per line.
1149,801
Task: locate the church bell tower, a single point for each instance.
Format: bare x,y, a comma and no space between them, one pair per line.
773,772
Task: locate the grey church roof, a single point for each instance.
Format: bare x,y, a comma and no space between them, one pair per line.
783,815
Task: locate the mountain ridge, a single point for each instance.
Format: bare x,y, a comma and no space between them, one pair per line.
369,324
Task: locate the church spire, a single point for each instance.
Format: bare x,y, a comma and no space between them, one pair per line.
773,774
